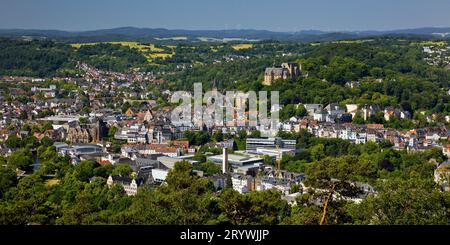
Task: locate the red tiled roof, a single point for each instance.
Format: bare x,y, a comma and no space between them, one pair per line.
181,143
156,147
105,162
39,136
375,126
140,114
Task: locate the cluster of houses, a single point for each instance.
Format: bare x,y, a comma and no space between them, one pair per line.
231,58
91,73
335,113
49,92
437,55
334,121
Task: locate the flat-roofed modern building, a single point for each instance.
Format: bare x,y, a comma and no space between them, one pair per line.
159,175
236,160
84,149
276,153
253,143
60,119
169,162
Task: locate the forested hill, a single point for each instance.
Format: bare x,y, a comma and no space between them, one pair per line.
149,34
48,59
384,72
33,58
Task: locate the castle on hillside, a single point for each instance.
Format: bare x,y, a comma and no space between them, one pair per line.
286,71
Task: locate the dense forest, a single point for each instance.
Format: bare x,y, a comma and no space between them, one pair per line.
48,59
110,57
33,58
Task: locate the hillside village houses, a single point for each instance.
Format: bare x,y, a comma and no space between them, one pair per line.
49,92
437,55
332,121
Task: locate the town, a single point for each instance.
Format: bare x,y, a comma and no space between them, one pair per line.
84,128
254,121
136,132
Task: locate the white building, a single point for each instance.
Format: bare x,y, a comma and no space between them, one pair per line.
242,183
312,108
276,153
135,133
361,138
129,185
159,175
320,116
267,183
442,175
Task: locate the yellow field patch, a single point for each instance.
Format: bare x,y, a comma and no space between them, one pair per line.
242,46
78,45
161,55
353,41
140,46
150,51
431,43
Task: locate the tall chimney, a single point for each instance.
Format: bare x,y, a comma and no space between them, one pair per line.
225,161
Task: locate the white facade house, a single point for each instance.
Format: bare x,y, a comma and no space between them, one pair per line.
129,185
442,175
361,138
320,116
242,183
267,183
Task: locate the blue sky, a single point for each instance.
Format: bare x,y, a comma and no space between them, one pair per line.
276,15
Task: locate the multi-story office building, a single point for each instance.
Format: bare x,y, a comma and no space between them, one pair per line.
253,143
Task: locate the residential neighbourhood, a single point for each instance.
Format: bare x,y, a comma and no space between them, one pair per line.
147,141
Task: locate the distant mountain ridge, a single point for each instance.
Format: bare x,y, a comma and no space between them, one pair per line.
129,33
